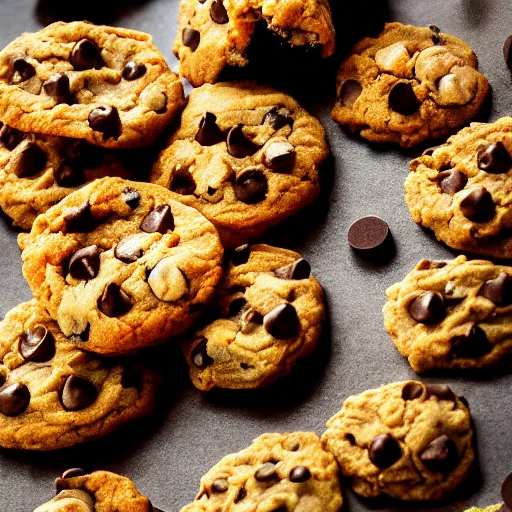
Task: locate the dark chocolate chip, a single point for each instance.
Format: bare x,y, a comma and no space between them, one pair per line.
250,320
240,254
266,473
14,399
200,356
2,379
191,38
183,183
474,343
351,439
403,100
236,306
83,336
427,308
498,290
508,56
57,87
85,263
494,158
278,117
299,474
350,91
384,451
506,490
114,301
69,174
220,485
132,70
436,38
299,269
280,156
251,186
30,161
209,133
24,69
106,120
10,137
128,250
441,455
412,390
131,197
79,219
77,393
441,391
159,220
282,322
478,205
452,181
238,145
37,344
218,12
73,473
242,493
86,55
368,233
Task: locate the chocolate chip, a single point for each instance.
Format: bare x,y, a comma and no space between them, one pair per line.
85,263
452,181
240,255
351,439
280,156
218,12
106,120
494,158
209,132
77,393
191,38
183,182
200,356
412,390
114,301
266,473
299,474
508,56
24,69
250,321
403,100
238,145
498,290
69,174
159,220
83,336
79,219
10,137
384,451
242,493
278,117
478,205
282,322
250,186
436,38
220,485
128,250
57,87
350,91
506,491
37,344
131,197
14,399
2,379
132,70
86,55
30,161
368,233
441,391
474,343
427,308
441,455
299,269
73,473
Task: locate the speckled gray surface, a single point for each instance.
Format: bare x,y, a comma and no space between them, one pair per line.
190,432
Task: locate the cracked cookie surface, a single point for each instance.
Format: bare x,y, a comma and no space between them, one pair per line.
408,85
278,472
109,86
408,440
246,156
120,265
451,314
269,314
53,395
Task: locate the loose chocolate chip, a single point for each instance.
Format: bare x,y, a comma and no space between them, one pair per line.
69,174
474,343
57,87
478,205
236,306
10,137
85,263
412,390
242,493
83,336
280,156
282,322
299,474
250,186
14,399
200,356
427,308
79,219
191,38
73,473
220,485
86,55
266,473
114,301
30,161
452,181
183,183
494,158
159,220
209,133
37,344
384,451
238,145
506,491
106,120
240,255
441,455
131,197
218,12
498,290
441,391
77,393
299,269
24,69
128,250
403,100
507,53
368,233
350,91
133,71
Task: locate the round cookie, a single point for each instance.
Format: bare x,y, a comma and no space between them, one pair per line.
451,314
53,395
277,472
269,314
408,85
408,440
213,34
462,190
246,156
109,86
121,265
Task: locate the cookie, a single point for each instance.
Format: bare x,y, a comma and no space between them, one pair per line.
408,440
409,85
109,86
451,314
99,491
120,265
246,156
277,472
37,171
54,395
214,34
491,508
462,189
269,313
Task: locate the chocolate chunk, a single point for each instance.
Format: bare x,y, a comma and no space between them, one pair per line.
159,220
508,56
299,269
436,38
478,205
280,156
452,181
132,70
238,145
10,137
441,391
106,120
403,100
240,255
14,399
79,219
278,117
200,356
236,306
506,491
57,87
85,263
128,249
384,451
474,343
131,197
77,393
494,158
427,308
114,301
69,174
350,91
220,485
242,493
183,182
209,132
73,473
282,322
30,161
86,55
412,390
441,455
218,12
368,233
250,186
498,290
299,474
266,473
191,38
37,344
24,69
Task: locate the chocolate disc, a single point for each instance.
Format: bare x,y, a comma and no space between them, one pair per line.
367,233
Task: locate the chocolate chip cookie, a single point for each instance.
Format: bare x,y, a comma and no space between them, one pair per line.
462,190
54,395
277,472
269,313
246,156
451,314
408,440
408,85
109,86
37,171
120,265
213,34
